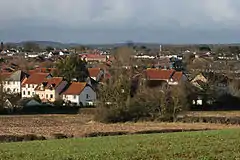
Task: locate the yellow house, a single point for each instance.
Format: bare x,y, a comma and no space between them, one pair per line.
49,90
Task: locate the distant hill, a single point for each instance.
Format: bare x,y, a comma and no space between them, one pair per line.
44,44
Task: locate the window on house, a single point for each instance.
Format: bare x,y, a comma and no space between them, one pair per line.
33,93
14,90
51,96
33,86
13,82
46,95
8,90
74,97
87,96
24,92
28,92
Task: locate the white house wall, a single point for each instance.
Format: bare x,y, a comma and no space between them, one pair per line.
72,98
51,95
87,95
28,90
12,86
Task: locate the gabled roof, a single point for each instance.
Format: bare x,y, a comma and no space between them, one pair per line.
36,78
17,76
75,88
94,72
50,83
159,74
177,76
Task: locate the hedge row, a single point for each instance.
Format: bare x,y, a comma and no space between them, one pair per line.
220,120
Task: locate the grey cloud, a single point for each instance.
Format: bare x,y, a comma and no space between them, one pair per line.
125,16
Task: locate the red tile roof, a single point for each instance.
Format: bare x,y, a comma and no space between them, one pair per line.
36,78
51,82
177,76
75,88
94,72
94,56
158,74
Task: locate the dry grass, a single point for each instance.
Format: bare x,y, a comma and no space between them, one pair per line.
214,114
80,125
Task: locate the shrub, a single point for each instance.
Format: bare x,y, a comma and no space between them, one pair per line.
32,137
162,104
18,138
58,103
61,136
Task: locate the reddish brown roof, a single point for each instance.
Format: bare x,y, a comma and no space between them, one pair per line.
53,82
158,74
36,78
177,76
93,72
75,88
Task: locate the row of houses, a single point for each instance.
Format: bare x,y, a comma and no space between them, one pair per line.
48,88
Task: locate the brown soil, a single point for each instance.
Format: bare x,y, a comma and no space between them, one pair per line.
81,125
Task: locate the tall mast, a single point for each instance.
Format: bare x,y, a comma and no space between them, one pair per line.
160,50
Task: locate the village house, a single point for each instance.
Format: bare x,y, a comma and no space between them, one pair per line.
49,90
160,77
12,84
80,94
94,57
96,73
29,85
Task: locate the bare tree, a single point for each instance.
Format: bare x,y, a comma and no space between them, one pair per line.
117,103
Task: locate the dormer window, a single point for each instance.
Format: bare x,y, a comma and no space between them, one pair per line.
52,86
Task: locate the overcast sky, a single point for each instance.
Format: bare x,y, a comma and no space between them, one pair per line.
111,21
